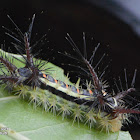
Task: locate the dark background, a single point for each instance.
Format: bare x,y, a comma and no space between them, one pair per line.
56,19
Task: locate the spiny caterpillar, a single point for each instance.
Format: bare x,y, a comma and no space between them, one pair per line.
93,106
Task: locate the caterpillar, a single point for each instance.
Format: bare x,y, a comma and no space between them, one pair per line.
92,106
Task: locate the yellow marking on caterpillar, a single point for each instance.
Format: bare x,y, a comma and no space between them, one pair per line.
104,93
65,90
116,104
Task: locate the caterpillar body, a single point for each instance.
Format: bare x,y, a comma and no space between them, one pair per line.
93,106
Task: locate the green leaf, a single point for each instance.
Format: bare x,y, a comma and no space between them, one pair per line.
32,123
